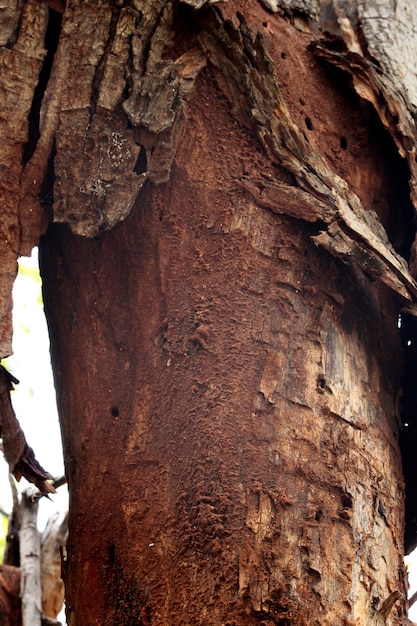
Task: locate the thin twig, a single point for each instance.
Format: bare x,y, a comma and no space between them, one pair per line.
412,600
30,562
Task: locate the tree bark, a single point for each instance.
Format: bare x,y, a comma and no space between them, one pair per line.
53,541
231,195
10,605
238,400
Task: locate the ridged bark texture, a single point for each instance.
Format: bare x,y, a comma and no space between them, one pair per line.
230,244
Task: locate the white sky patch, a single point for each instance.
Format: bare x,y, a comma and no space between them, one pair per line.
34,399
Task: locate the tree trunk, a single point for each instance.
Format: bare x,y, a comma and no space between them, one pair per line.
231,390
223,297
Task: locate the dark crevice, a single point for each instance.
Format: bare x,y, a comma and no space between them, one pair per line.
47,189
346,501
141,162
308,123
112,553
398,216
391,202
52,35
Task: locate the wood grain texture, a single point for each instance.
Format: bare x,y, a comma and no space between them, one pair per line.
245,391
230,186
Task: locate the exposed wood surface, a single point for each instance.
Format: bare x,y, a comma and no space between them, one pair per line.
108,186
279,505
227,387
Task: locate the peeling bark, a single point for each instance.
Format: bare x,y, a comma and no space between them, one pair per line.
259,94
20,67
18,454
233,385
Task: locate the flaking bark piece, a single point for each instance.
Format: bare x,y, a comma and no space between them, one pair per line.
28,467
19,455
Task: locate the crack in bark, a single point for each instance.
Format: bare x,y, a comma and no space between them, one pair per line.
339,418
93,198
51,43
245,75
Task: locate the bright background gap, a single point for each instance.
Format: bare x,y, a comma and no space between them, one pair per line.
34,398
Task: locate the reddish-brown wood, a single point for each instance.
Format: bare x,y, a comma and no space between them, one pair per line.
223,294
10,608
232,389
